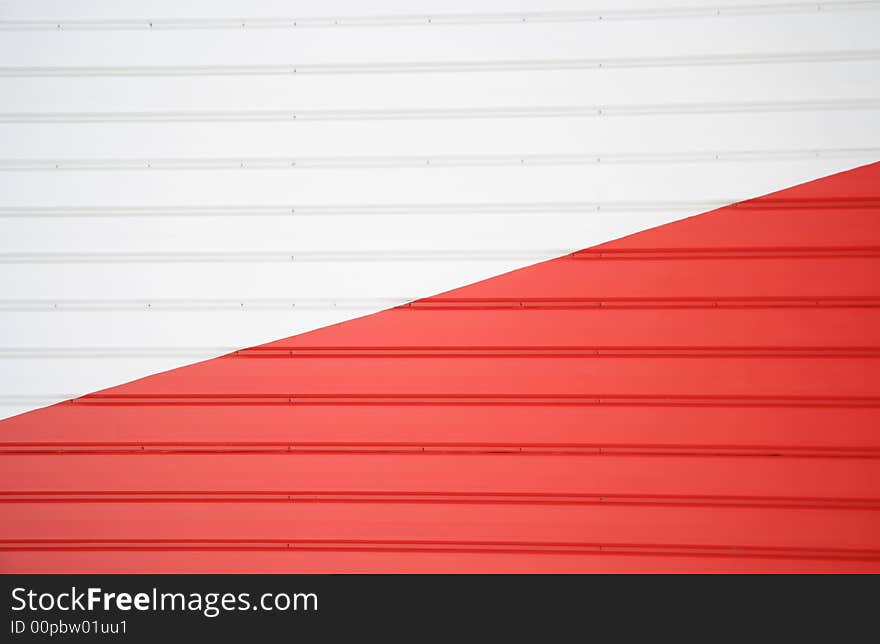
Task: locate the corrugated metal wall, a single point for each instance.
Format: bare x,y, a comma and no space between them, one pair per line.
700,396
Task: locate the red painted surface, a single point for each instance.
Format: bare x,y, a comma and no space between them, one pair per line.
700,397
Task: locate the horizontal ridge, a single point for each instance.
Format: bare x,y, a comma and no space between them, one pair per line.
439,19
414,448
454,255
315,210
444,303
424,161
439,67
429,113
348,352
458,399
537,498
441,546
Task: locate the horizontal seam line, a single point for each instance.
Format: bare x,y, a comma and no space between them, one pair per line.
366,352
476,498
445,546
440,302
554,111
414,161
440,19
433,450
858,203
558,254
462,400
441,66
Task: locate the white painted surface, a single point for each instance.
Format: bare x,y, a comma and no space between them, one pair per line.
496,193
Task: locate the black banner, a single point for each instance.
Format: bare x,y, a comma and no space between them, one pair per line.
269,608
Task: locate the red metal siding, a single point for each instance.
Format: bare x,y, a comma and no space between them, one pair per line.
703,396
